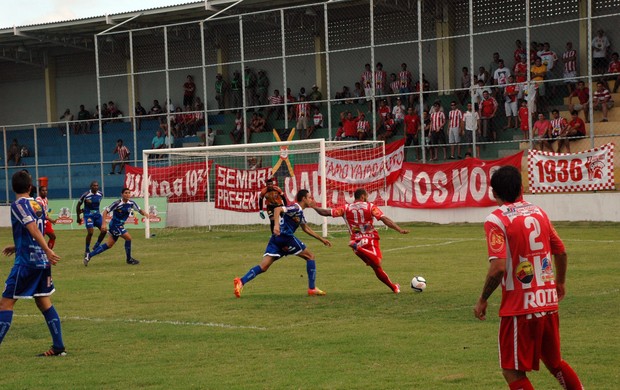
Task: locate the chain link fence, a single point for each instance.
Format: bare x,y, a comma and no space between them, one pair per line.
343,70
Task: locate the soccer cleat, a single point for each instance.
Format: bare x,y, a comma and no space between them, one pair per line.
238,287
132,261
86,259
316,291
54,352
396,288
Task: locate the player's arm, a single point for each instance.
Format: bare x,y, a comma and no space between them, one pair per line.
391,224
261,198
497,268
78,211
308,230
276,220
323,212
8,250
38,237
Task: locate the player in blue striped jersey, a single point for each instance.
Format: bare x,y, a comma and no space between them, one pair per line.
120,211
31,275
91,200
283,243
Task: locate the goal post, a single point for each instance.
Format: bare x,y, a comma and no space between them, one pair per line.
218,187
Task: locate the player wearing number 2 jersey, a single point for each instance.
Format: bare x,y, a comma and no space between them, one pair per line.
521,242
359,217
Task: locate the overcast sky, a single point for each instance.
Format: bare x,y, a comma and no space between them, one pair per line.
26,12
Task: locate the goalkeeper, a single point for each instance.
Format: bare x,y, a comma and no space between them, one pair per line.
272,196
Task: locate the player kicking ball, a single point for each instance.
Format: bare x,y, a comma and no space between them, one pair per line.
120,211
283,243
359,217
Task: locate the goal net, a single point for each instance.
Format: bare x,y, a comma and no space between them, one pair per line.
218,187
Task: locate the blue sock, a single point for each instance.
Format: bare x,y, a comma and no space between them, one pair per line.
252,273
53,323
6,317
99,249
311,269
128,249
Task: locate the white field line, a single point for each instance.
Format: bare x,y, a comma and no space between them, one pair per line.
157,322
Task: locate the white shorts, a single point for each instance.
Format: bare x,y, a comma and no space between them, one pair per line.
570,77
511,108
599,105
453,135
368,93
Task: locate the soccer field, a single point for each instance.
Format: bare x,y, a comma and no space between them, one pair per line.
172,322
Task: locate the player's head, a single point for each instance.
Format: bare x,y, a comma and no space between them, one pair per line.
94,186
125,193
270,181
506,184
21,182
360,193
301,195
43,192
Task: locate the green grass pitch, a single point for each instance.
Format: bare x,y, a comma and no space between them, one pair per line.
172,322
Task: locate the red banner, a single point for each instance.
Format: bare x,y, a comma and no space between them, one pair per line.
348,170
464,183
180,183
590,170
239,189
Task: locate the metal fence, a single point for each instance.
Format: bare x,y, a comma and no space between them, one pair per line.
416,53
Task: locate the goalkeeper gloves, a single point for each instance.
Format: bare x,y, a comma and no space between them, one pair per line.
262,214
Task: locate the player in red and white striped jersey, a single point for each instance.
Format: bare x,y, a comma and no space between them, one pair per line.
123,156
49,229
303,113
523,246
558,124
364,241
404,76
381,80
437,135
276,103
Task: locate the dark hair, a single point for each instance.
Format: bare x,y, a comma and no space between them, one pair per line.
301,194
125,189
359,192
554,111
506,183
21,182
574,112
269,180
119,140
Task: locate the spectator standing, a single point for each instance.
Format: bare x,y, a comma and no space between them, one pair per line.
511,91
317,122
519,52
303,113
500,79
67,117
139,111
471,125
315,96
221,87
236,89
14,153
539,73
569,58
123,156
262,88
455,117
406,81
189,91
358,94
524,119
600,50
249,79
412,129
484,76
158,142
381,80
349,125
438,121
493,66
276,103
488,109
366,83
558,125
464,93
363,127
398,111
236,134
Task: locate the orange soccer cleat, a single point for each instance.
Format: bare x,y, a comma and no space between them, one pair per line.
316,291
238,287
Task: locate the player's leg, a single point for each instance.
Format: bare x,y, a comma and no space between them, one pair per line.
130,260
369,251
101,248
89,237
44,303
6,314
49,231
552,358
517,380
313,290
519,349
252,273
98,222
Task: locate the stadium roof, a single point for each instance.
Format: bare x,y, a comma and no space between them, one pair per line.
31,44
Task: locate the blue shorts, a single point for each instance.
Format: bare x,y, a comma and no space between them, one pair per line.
116,231
94,220
280,246
25,282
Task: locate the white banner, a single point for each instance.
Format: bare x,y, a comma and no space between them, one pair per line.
591,170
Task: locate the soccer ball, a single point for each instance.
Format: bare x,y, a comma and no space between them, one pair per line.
418,283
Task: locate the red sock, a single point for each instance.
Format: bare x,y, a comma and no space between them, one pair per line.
51,244
567,377
382,276
521,384
368,256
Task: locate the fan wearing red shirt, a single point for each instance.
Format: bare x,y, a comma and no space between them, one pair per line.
523,248
349,126
583,95
524,118
614,69
576,128
542,133
412,127
359,217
